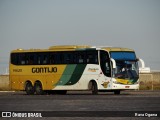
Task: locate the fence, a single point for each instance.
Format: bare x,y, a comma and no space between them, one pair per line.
4,82
150,81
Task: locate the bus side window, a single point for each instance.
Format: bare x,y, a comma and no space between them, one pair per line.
22,59
80,58
68,57
29,58
89,58
42,58
92,57
75,61
52,58
19,58
59,58
38,59
14,58
55,58
45,59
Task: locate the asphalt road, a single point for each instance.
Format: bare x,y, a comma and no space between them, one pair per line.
75,104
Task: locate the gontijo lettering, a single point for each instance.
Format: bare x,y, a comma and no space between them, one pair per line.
44,70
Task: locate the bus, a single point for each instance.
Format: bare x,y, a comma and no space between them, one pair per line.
59,69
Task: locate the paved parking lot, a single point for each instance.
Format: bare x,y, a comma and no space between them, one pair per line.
77,103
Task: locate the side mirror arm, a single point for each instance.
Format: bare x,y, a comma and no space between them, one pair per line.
113,63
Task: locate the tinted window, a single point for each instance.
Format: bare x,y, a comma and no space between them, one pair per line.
68,57
105,63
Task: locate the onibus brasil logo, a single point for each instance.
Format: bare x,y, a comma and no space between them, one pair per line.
21,114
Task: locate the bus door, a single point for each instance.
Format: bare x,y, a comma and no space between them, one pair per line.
105,67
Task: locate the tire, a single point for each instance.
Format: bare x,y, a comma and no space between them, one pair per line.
38,88
117,92
94,88
29,88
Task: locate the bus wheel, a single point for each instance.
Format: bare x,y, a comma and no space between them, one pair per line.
94,88
38,88
117,92
29,88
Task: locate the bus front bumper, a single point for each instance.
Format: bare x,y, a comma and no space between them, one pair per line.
125,87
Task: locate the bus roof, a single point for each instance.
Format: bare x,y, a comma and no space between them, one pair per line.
116,49
73,48
69,47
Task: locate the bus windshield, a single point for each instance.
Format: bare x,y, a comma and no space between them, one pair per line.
126,66
126,70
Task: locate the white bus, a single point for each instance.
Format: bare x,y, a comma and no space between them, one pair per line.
63,68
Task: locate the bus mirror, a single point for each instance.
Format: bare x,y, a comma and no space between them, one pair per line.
113,63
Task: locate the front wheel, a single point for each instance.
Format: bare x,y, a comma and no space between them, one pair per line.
29,88
94,88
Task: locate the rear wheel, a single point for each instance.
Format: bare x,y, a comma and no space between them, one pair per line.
29,88
94,88
38,88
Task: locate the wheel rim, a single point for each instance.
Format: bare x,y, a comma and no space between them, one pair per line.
38,89
94,88
29,89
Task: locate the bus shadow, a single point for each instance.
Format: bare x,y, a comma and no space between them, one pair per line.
78,93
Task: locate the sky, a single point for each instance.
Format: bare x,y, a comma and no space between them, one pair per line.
119,23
